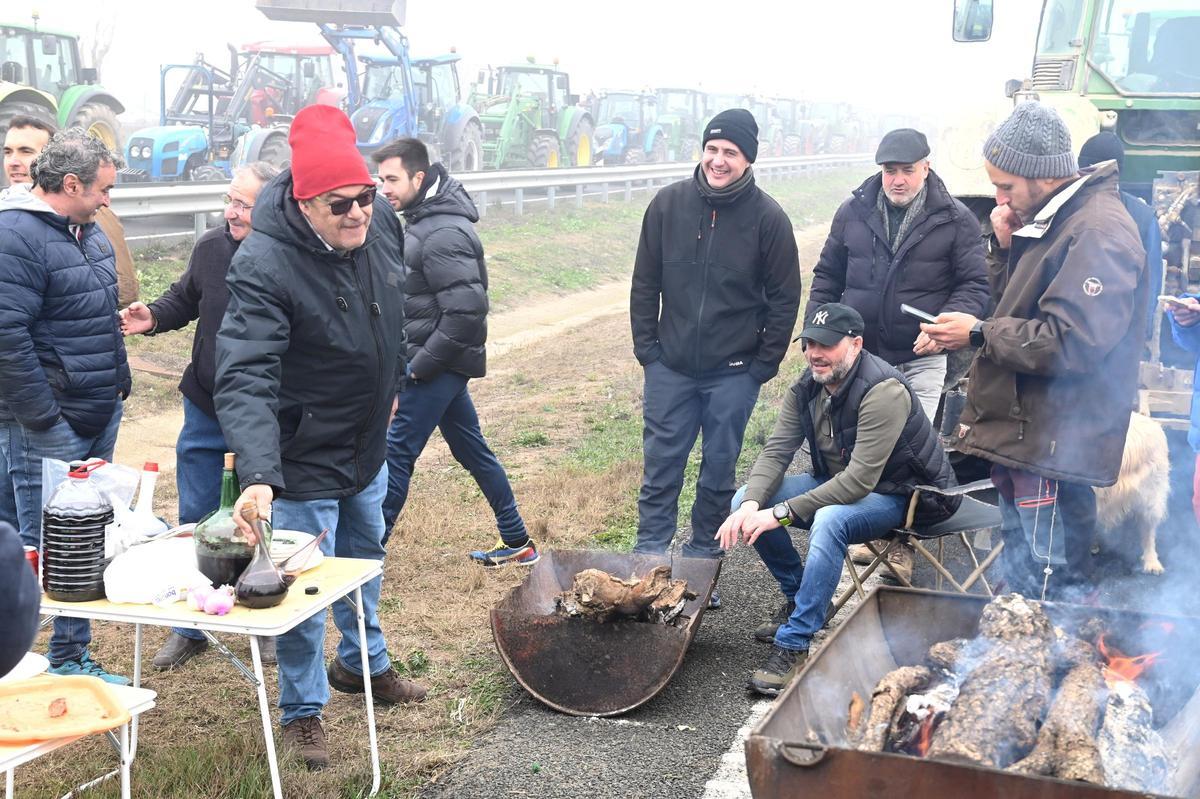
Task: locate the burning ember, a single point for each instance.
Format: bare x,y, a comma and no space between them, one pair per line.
1119,666
1026,697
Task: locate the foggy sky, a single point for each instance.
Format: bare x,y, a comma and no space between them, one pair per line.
878,53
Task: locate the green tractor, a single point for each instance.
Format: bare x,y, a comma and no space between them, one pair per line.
531,119
41,77
770,126
796,128
682,114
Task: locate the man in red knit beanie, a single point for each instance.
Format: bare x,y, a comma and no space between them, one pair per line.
310,356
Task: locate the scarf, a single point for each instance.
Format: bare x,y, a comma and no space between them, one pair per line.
726,195
910,216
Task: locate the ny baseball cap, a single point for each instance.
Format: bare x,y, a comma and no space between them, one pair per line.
830,323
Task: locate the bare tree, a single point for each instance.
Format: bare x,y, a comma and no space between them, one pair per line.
102,38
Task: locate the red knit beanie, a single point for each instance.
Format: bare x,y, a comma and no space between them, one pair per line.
324,155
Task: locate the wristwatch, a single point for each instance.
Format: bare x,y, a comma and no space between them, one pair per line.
976,337
782,513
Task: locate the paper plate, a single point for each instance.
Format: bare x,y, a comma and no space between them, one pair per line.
285,543
30,665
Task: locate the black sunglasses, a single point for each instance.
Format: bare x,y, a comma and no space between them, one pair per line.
342,206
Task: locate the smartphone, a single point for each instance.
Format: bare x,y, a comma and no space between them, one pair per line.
1175,301
917,312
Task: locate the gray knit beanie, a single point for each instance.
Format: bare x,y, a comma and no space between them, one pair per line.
1032,143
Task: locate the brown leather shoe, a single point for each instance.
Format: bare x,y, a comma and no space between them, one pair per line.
388,688
306,737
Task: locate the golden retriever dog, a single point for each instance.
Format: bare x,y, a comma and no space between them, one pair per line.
1137,502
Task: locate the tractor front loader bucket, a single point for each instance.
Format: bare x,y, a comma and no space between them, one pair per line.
365,13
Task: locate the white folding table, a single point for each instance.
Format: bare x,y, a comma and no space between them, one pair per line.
334,579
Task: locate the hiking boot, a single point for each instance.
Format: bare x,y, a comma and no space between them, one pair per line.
765,632
306,737
781,666
178,649
87,667
861,555
901,559
503,555
266,650
388,688
714,600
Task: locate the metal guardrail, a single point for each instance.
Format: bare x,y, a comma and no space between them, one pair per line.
199,199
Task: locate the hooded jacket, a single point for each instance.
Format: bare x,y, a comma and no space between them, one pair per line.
716,282
310,353
61,350
446,303
938,266
200,294
1051,389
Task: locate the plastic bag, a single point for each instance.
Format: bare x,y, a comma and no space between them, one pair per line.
157,573
118,483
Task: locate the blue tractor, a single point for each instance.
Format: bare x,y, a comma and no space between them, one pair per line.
627,132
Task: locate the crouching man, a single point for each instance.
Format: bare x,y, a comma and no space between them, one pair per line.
871,443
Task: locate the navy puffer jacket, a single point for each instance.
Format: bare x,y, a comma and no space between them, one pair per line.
61,350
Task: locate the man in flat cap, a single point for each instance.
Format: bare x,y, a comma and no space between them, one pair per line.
871,445
1050,391
716,287
902,239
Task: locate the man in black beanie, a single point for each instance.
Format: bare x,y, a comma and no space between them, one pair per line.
716,288
1107,146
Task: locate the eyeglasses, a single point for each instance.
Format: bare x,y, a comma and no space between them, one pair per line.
237,205
341,206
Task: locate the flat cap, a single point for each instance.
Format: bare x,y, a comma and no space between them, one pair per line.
902,146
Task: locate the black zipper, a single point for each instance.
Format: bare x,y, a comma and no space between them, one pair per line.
378,356
704,287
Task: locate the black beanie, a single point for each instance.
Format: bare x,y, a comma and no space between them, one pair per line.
1104,146
738,126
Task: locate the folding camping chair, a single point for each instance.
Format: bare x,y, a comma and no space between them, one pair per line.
972,520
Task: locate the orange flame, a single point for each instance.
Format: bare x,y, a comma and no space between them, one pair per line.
926,735
1122,668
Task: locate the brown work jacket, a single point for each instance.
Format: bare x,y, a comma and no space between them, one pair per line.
1053,385
127,281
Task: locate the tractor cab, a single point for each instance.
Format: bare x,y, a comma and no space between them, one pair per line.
289,78
770,127
682,114
795,126
46,61
626,131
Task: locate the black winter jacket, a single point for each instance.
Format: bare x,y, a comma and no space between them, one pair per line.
200,293
715,287
61,349
917,459
310,354
939,266
446,304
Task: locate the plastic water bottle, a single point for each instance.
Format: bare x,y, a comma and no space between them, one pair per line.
143,521
73,532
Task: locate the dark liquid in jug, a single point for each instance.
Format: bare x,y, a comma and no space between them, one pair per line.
261,590
221,568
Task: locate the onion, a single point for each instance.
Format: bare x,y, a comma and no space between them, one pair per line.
197,595
218,603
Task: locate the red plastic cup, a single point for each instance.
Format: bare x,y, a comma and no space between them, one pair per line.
31,555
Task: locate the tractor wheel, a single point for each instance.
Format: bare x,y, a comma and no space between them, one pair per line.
100,120
579,146
634,155
658,150
543,152
792,145
276,151
469,155
689,149
206,173
777,145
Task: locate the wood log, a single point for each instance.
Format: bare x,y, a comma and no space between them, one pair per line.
600,596
1004,694
1133,753
1066,746
887,705
945,654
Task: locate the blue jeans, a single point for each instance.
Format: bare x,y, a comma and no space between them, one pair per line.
356,531
811,585
444,402
199,461
24,450
675,410
8,498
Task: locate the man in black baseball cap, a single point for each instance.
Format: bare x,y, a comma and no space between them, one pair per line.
863,424
716,288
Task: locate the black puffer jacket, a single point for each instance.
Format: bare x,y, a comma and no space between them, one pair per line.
446,300
310,354
939,266
716,283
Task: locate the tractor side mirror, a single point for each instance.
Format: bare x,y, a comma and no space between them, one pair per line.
49,45
90,75
1011,87
307,69
561,82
